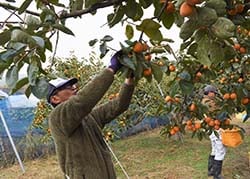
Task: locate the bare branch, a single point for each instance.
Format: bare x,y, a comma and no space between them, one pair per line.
54,54
93,8
8,6
11,22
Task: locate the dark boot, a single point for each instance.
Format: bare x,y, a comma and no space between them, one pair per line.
210,165
217,169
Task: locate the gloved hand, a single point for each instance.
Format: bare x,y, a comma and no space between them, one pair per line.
115,65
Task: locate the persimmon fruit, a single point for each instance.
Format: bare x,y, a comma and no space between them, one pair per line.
193,2
147,72
186,9
233,96
138,47
171,68
170,8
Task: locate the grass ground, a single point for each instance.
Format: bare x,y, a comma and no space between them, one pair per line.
150,156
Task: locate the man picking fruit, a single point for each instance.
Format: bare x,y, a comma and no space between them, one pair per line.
76,122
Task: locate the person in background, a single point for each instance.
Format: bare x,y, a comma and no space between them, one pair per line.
77,120
218,150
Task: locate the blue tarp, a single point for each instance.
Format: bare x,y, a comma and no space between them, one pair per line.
18,113
147,123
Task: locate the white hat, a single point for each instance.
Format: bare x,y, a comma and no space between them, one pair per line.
57,84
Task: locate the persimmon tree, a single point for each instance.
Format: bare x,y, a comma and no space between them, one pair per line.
144,102
215,49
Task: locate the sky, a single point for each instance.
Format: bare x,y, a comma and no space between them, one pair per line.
90,27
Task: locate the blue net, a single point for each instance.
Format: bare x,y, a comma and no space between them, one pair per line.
17,117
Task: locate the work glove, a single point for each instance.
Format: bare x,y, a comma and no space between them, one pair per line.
115,65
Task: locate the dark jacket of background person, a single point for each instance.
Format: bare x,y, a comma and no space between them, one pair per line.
76,129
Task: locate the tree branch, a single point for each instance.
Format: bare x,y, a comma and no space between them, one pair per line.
8,6
92,8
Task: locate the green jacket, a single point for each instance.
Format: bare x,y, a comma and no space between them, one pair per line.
76,129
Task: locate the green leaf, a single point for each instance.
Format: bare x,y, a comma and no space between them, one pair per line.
76,5
32,22
3,66
24,6
103,48
199,34
21,83
63,29
92,42
186,86
206,16
151,29
168,20
157,50
128,62
32,72
48,44
28,91
179,20
216,53
18,35
17,46
218,5
47,16
12,76
116,17
42,55
222,115
185,44
175,87
187,29
39,41
54,2
158,74
199,135
145,3
229,52
40,89
202,51
139,13
4,37
139,69
192,49
133,10
185,76
13,50
79,4
223,28
129,32
89,3
10,53
107,38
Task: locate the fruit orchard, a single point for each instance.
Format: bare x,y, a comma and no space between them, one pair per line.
215,50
